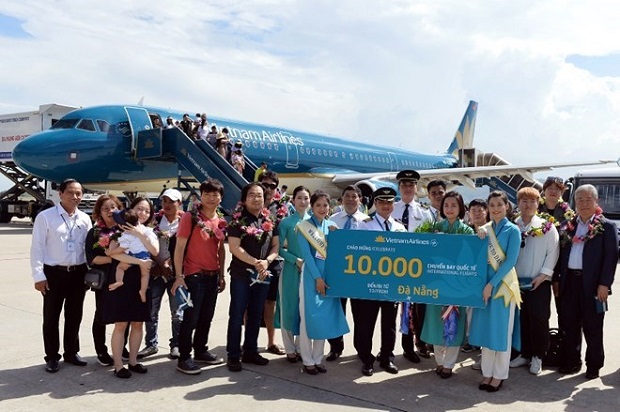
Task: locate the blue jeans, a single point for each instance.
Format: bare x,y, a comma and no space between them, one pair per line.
203,290
159,287
245,297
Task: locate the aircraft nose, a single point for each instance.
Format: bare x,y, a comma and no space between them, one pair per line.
31,154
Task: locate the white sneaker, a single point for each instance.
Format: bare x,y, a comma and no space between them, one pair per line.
518,362
174,353
476,366
536,365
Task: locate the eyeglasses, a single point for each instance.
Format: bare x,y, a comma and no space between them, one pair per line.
523,240
271,186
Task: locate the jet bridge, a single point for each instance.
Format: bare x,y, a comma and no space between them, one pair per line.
198,158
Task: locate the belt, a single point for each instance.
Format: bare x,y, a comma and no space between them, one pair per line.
574,272
72,268
209,272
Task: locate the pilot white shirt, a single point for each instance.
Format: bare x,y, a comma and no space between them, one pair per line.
417,214
540,253
58,240
435,215
341,218
378,223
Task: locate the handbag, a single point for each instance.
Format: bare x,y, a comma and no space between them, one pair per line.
95,278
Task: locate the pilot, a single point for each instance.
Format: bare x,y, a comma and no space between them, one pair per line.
365,311
411,215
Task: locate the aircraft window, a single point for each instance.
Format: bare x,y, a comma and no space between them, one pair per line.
331,153
86,124
269,146
350,155
262,145
103,126
313,151
324,152
335,153
255,145
357,157
65,124
275,146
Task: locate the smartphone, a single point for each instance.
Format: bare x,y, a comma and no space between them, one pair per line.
601,307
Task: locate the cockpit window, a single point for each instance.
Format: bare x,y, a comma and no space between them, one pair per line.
86,124
103,125
65,124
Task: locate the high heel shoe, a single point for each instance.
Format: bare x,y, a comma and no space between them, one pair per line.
492,388
484,386
320,368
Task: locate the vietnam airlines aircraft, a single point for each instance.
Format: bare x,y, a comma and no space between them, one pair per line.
119,148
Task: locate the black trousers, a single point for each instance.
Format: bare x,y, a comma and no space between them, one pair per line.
534,318
577,315
98,327
66,289
337,344
365,314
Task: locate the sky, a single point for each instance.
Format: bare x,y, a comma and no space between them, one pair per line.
546,74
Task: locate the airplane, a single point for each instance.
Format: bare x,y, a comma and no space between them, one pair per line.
117,147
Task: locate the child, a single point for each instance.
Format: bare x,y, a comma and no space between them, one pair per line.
133,246
236,158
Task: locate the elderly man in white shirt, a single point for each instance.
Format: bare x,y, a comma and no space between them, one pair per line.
58,263
539,253
349,218
411,215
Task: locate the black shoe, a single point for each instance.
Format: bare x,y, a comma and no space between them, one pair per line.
411,356
484,386
254,358
310,370
389,367
208,358
423,352
569,370
445,374
367,369
52,366
105,359
75,360
293,357
188,367
492,388
591,373
332,356
147,351
137,368
233,365
320,368
122,373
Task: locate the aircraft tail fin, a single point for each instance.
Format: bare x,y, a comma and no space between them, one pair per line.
464,137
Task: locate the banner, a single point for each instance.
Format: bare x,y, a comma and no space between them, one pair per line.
429,268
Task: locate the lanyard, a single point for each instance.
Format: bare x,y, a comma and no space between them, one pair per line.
70,229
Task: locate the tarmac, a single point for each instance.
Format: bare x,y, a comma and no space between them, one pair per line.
279,386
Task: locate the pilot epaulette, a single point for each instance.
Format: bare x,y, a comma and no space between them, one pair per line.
425,206
369,219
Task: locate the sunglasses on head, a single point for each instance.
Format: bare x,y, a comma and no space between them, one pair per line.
554,179
270,185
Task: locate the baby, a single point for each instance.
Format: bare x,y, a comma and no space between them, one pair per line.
133,246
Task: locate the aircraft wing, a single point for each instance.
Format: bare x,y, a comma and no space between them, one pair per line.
465,176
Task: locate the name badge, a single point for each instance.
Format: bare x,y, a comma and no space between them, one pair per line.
318,256
70,246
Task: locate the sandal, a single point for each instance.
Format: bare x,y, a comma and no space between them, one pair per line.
276,350
310,370
438,370
445,373
292,357
320,368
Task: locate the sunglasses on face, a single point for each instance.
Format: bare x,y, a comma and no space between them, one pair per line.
271,186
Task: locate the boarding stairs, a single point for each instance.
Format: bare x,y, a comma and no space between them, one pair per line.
198,158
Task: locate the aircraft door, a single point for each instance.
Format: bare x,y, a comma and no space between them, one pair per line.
139,120
393,162
292,156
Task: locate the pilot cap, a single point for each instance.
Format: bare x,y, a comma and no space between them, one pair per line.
384,193
172,194
408,176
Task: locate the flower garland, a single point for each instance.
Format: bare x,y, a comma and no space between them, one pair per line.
210,229
104,235
259,233
595,227
280,210
538,230
567,215
164,234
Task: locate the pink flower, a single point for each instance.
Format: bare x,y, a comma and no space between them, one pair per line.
104,241
267,226
219,234
251,230
205,235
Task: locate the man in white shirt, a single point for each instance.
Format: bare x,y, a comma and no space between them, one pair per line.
539,253
411,215
58,263
349,218
365,311
436,190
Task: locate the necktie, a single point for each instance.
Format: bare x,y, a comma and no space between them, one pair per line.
387,225
405,218
347,225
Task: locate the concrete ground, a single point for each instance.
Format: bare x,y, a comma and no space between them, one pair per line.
279,386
